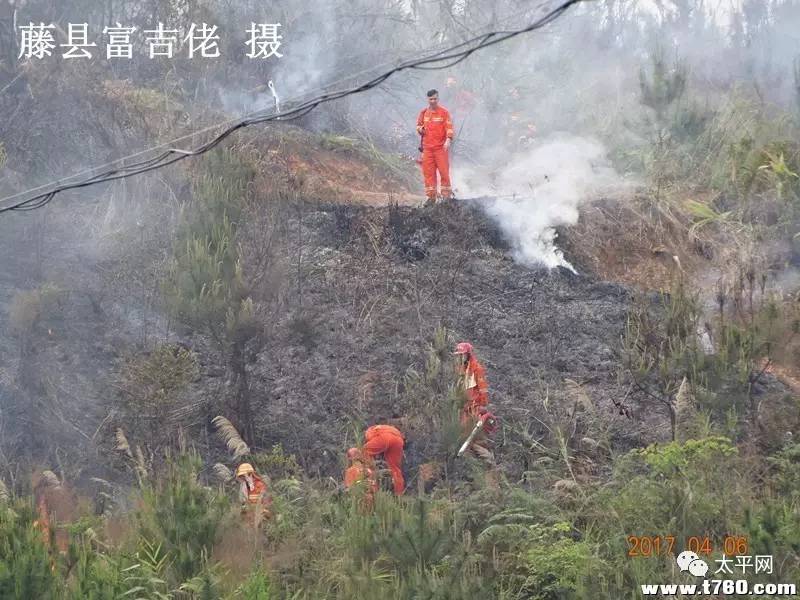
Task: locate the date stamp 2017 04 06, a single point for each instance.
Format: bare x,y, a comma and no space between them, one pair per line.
645,546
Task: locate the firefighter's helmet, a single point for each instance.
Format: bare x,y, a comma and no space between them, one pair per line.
463,348
244,469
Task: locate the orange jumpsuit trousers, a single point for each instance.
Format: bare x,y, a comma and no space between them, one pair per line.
436,160
387,440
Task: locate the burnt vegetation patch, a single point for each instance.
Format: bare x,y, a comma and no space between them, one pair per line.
411,232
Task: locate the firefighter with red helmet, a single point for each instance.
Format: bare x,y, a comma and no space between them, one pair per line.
473,377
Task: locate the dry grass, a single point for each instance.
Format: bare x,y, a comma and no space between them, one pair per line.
633,242
228,434
122,443
118,530
293,157
28,308
221,472
50,479
240,549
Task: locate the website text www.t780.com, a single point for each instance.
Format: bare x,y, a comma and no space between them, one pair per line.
733,587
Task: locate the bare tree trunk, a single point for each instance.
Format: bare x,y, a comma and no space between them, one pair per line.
673,421
243,408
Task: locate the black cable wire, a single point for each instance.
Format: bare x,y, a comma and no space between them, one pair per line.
442,59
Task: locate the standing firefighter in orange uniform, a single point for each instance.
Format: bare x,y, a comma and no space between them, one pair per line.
253,494
359,478
387,440
435,127
474,377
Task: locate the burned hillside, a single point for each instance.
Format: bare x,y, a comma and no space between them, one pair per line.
351,302
373,289
395,299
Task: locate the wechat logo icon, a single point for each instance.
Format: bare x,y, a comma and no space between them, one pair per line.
689,561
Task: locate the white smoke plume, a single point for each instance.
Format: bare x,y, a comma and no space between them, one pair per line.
539,190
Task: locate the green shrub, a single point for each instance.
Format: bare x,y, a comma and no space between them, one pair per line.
27,570
182,516
277,464
257,587
151,387
686,489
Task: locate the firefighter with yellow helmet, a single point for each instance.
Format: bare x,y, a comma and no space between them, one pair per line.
253,494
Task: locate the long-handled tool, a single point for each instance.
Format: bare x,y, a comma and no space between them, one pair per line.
470,438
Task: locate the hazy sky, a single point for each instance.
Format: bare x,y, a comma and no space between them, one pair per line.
720,8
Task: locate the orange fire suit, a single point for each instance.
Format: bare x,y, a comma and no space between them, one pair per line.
255,493
387,440
42,524
437,127
359,476
255,500
476,387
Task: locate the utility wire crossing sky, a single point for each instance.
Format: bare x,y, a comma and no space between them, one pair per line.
442,59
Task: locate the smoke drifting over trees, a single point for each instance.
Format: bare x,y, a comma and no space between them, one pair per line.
623,253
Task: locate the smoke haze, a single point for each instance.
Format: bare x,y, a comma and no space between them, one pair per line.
540,190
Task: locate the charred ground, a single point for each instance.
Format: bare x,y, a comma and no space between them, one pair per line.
363,293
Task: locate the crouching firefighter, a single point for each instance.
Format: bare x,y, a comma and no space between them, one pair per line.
359,479
388,441
479,444
253,495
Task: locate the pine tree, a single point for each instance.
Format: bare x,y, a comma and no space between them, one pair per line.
419,542
183,516
26,567
206,287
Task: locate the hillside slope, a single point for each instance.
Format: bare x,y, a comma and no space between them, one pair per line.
366,290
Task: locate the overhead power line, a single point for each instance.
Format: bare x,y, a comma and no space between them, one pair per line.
519,16
441,59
